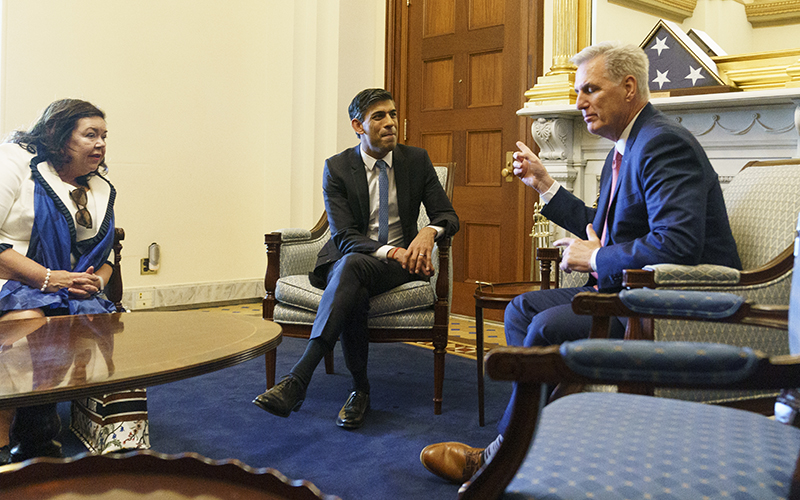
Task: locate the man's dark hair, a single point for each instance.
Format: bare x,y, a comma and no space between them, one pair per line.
48,137
366,98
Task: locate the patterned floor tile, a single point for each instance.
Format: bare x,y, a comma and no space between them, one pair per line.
461,340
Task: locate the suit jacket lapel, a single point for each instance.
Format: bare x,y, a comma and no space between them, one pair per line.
605,191
359,174
401,182
605,188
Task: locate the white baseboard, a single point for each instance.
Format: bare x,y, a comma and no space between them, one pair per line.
191,294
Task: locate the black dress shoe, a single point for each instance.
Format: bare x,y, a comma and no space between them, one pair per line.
284,398
351,416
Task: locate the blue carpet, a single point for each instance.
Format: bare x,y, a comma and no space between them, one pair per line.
212,415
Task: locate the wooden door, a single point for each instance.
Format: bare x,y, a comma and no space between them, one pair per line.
458,70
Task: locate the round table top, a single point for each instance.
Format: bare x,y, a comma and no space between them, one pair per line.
503,292
67,357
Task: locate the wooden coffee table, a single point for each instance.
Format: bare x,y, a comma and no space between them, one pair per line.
44,361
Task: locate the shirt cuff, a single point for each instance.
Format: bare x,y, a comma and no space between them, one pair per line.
548,195
383,253
593,260
439,231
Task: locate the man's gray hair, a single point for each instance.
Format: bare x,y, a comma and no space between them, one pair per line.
621,60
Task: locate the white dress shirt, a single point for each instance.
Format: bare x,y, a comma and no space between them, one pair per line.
395,228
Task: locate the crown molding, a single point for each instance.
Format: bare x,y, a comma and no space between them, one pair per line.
761,13
674,10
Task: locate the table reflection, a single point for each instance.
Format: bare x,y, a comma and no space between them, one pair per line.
39,354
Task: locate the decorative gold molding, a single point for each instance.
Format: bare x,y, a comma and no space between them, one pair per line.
772,12
552,89
761,70
674,10
572,24
794,75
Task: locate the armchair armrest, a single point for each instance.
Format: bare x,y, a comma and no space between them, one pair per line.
290,251
673,275
675,304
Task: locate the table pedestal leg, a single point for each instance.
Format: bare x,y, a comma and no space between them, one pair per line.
33,431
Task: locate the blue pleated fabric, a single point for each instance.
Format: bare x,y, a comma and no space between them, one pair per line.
53,240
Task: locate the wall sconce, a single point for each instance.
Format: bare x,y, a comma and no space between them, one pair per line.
152,262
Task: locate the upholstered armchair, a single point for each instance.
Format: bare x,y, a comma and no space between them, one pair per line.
413,312
622,445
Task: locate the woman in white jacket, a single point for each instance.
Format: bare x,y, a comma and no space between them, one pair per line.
57,213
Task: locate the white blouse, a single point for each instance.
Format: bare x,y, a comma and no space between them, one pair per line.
16,197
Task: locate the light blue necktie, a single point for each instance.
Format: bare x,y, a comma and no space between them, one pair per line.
383,202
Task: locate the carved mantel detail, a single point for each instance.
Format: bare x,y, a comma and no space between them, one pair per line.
554,137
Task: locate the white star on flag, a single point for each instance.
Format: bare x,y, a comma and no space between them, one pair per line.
694,75
661,79
661,44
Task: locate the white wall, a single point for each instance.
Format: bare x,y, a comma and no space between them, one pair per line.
220,116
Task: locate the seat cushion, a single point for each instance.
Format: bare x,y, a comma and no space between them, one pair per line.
614,446
297,291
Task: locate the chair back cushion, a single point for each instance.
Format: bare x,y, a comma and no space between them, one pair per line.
763,203
299,251
441,173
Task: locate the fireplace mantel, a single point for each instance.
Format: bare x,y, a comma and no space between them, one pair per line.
733,127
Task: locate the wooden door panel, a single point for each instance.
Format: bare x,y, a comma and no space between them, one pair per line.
439,17
483,265
437,84
484,152
485,89
486,13
439,146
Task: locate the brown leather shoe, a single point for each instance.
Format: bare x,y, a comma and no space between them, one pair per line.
455,462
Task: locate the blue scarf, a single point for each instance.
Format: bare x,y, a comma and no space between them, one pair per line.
53,241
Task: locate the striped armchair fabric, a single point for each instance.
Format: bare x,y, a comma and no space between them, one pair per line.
763,201
416,311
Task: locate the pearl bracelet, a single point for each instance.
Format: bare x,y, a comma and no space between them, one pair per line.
46,281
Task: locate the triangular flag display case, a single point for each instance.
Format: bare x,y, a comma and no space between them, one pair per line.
677,64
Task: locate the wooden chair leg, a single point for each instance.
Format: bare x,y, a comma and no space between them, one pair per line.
438,378
329,362
479,356
270,358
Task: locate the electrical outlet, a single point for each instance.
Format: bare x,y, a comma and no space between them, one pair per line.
145,268
144,300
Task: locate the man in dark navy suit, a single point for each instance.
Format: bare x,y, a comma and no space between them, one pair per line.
660,202
372,196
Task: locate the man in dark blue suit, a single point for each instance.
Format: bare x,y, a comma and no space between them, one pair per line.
372,197
660,202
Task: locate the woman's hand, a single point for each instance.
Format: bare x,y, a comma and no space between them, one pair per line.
79,285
